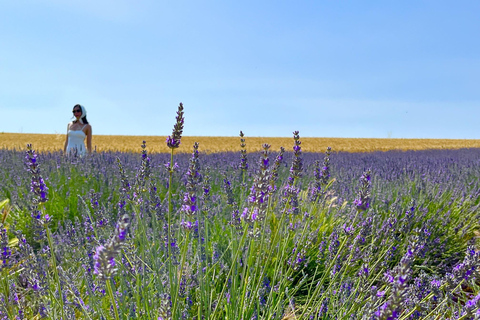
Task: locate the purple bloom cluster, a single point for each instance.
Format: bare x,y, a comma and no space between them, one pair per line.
143,175
227,187
39,191
398,280
105,265
362,201
296,169
259,192
321,176
38,186
189,206
5,248
467,270
173,141
125,184
290,190
243,151
274,170
324,175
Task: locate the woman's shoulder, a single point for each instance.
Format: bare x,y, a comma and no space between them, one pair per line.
87,128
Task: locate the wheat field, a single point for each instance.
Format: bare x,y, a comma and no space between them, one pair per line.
156,144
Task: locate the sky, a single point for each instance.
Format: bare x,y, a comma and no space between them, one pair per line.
356,69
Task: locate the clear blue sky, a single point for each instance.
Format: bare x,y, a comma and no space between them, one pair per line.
400,69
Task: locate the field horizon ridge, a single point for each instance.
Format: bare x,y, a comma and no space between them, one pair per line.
213,144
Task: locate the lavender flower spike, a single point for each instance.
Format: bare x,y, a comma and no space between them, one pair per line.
297,165
259,193
290,191
321,176
274,171
105,265
325,173
362,202
40,195
38,186
173,141
243,159
194,177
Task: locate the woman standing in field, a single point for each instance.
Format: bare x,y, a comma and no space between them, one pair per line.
77,131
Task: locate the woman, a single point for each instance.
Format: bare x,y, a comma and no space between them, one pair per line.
77,131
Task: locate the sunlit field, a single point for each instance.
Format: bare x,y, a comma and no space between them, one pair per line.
239,228
156,144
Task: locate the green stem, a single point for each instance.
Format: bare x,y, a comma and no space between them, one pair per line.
169,229
7,293
170,207
114,304
182,264
237,253
54,266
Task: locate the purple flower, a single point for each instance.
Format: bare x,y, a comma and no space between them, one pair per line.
258,197
104,258
243,151
173,141
37,186
188,225
297,165
362,202
193,176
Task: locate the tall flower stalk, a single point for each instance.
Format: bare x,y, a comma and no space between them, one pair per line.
173,142
243,157
105,265
143,175
362,201
325,173
258,198
273,177
321,176
290,193
296,170
41,220
189,212
190,206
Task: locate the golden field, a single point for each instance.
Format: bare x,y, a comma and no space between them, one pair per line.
156,144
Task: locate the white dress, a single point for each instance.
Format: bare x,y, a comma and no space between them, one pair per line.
76,144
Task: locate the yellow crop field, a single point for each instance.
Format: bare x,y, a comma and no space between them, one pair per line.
156,144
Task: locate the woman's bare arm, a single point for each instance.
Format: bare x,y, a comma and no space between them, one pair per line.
89,139
66,140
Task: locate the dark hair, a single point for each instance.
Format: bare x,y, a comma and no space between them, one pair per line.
84,118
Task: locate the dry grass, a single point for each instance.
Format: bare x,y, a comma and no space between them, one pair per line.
155,144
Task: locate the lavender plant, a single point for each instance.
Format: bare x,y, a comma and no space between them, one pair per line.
362,201
174,140
258,198
243,159
105,265
321,176
290,193
404,247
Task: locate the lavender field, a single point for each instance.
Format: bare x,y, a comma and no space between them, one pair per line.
278,234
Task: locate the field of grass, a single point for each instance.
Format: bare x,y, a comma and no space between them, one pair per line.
156,144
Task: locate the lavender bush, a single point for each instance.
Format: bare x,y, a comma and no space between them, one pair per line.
293,235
